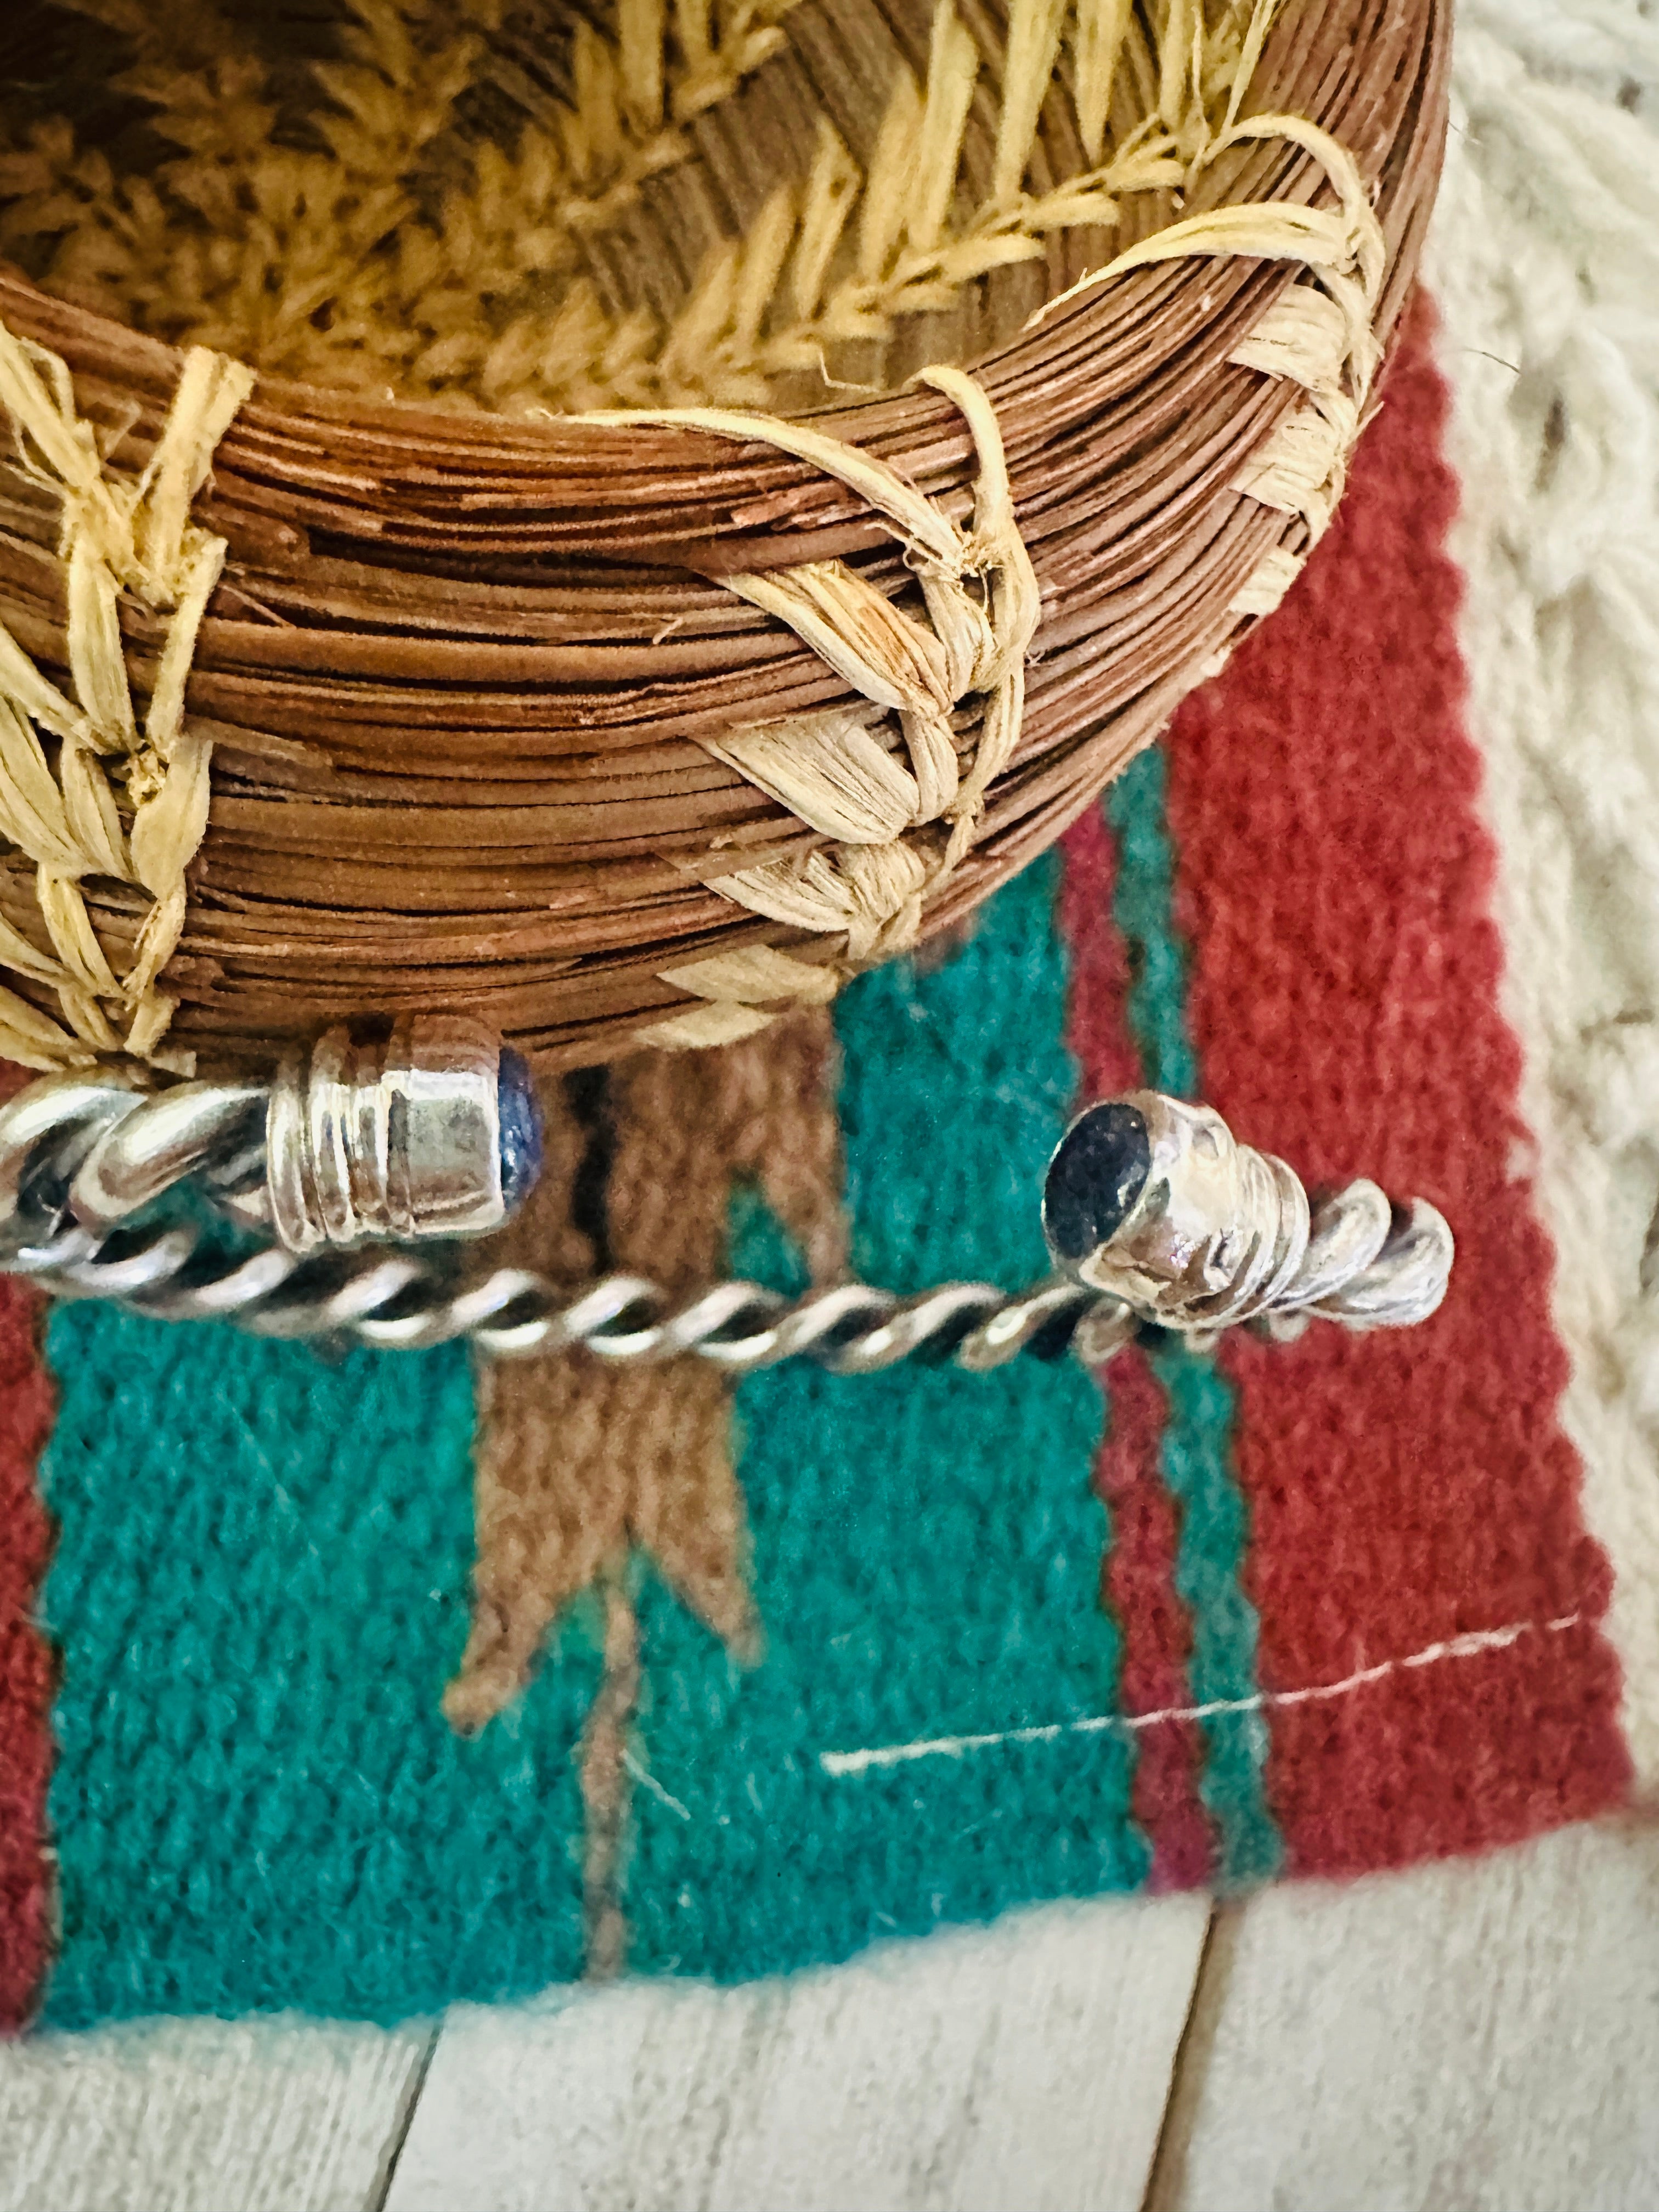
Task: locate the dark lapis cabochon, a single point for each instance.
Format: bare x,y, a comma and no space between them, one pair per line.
519,1118
1094,1179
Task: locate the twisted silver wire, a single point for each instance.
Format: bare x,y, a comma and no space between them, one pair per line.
403,1301
78,1158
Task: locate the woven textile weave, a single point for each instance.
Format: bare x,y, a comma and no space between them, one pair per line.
851,1658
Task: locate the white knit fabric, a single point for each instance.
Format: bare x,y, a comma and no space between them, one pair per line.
1545,260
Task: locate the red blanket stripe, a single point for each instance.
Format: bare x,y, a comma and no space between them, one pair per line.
26,1671
1335,882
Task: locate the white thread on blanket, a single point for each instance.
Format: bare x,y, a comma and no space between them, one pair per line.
647,1780
840,1764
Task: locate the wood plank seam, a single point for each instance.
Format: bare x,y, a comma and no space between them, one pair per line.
1166,2175
403,2120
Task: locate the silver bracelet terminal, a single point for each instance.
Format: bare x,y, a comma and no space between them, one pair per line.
428,1130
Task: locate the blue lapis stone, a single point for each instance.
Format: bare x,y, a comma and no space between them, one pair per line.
1094,1179
519,1119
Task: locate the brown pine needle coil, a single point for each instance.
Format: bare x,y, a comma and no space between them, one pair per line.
610,728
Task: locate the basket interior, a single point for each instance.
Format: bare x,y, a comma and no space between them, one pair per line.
533,206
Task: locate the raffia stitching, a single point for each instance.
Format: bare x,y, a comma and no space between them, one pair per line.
848,256
119,800
1319,333
889,786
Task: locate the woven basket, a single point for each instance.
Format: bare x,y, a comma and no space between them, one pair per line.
603,729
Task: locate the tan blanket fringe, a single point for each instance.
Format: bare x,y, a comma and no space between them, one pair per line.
119,800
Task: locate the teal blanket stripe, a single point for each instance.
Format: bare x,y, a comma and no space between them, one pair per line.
1143,906
261,1587
1196,1452
927,1545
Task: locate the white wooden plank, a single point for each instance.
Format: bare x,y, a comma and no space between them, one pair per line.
1482,2034
1027,2065
204,2116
